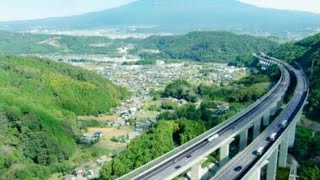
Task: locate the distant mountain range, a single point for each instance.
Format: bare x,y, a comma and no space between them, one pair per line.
182,16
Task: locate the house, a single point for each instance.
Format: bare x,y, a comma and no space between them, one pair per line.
116,123
87,139
141,119
133,110
98,134
153,119
89,174
102,160
78,172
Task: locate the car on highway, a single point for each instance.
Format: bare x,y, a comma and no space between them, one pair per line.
189,156
284,123
213,137
273,136
238,168
177,167
259,151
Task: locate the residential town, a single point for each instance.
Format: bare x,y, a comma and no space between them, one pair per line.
142,79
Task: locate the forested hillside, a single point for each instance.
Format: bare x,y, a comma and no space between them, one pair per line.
212,46
307,53
24,43
40,100
307,152
206,46
157,141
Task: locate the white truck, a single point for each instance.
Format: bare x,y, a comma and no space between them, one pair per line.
284,123
213,137
273,136
259,151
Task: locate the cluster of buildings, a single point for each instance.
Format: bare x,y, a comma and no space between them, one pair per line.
141,79
90,138
91,59
132,113
89,170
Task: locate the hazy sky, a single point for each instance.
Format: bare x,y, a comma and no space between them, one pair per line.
302,5
34,9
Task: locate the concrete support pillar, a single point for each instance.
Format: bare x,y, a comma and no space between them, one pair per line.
279,104
292,133
256,175
243,140
266,118
195,171
292,130
265,163
224,154
272,166
256,128
273,109
283,152
282,99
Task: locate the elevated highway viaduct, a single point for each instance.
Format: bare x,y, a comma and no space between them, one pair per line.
271,147
190,155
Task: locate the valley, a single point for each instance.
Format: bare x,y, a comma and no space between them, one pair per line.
169,82
149,89
138,114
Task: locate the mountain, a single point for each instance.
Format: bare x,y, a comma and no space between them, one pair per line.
216,46
40,100
209,46
12,43
182,16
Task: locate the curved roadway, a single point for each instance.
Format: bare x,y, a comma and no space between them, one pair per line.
203,147
247,159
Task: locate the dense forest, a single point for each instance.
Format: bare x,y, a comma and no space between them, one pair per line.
209,46
40,100
205,46
179,124
307,152
160,139
24,43
238,94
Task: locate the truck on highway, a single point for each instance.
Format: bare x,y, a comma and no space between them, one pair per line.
259,151
213,137
284,123
273,136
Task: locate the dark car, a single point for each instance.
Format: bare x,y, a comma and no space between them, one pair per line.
177,167
189,156
238,168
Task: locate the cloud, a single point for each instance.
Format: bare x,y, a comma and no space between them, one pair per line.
299,5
